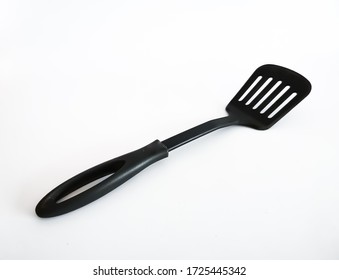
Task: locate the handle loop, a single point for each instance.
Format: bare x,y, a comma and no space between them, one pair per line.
122,168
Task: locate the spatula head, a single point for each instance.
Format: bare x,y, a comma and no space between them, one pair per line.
268,95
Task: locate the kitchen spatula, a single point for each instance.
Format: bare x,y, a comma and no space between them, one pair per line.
268,95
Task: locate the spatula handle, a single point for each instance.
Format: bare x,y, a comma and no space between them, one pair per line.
122,168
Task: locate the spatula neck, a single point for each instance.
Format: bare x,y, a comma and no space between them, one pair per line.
198,131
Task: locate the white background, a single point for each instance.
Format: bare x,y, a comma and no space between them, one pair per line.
84,81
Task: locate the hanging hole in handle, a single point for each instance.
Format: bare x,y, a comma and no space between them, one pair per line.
82,189
87,180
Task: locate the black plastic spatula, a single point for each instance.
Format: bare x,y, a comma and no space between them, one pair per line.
269,94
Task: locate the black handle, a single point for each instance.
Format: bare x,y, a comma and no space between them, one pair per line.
122,168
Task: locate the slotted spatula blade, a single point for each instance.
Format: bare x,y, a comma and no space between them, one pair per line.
268,95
